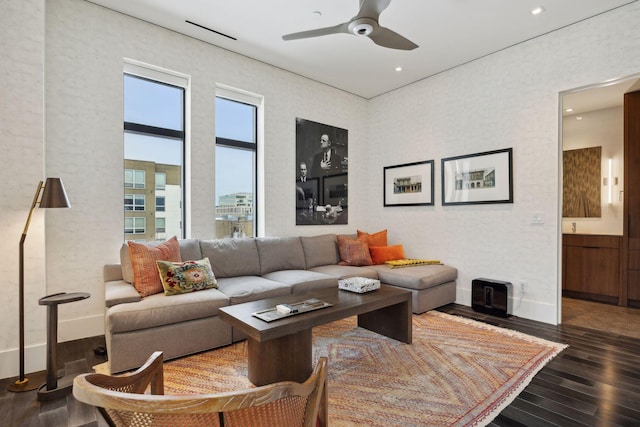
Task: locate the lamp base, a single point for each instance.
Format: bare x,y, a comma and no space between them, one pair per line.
30,382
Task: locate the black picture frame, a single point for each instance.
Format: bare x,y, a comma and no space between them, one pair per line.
409,184
478,178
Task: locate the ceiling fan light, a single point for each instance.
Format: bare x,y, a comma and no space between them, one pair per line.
362,29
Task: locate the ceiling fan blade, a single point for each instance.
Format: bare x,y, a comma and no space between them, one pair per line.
372,8
342,28
385,37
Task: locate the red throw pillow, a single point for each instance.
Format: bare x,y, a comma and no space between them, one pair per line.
146,278
353,252
382,254
375,239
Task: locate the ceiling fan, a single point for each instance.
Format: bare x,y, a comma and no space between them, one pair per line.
365,23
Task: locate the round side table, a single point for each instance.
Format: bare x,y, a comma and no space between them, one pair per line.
56,387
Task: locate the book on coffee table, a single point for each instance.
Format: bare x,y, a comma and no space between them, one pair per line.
281,311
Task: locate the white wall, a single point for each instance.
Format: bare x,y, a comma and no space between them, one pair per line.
85,46
600,128
508,99
21,141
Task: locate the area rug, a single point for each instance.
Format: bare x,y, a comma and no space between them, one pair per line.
457,372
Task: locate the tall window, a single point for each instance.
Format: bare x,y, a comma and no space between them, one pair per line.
154,141
236,176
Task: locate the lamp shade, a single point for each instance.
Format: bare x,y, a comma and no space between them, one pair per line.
54,195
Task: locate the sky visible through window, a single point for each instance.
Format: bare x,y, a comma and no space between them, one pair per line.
153,104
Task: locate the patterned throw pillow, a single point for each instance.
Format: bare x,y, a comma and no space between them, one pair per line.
375,239
187,276
143,260
381,254
353,252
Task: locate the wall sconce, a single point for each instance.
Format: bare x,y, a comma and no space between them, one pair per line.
610,181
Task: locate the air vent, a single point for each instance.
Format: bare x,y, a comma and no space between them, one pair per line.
209,29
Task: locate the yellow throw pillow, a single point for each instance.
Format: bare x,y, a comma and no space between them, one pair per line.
143,260
400,263
186,276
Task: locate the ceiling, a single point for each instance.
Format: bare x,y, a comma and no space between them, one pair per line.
449,33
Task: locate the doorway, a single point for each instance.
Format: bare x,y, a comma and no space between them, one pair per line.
593,247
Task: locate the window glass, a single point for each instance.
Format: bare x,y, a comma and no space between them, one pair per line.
235,164
235,120
152,103
153,150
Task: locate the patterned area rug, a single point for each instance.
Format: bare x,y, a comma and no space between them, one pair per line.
457,372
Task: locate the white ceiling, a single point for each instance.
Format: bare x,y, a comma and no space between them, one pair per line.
449,33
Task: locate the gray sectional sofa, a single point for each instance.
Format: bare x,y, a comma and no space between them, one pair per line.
246,269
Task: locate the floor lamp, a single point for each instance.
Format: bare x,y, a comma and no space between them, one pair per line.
53,196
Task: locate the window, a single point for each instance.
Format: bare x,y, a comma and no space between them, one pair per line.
160,207
236,163
133,178
161,181
154,146
135,225
134,202
160,225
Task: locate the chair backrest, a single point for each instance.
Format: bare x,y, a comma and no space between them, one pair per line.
125,403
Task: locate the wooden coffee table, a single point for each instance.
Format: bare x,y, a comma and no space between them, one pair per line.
282,349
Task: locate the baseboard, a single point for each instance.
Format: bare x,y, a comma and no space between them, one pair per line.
35,356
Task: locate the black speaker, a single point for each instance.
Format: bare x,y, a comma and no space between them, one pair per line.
491,297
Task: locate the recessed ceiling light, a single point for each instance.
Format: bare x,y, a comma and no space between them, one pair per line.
537,11
317,13
579,118
569,110
398,68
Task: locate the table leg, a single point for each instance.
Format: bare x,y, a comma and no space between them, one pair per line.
288,358
394,321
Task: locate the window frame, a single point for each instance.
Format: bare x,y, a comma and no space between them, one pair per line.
257,102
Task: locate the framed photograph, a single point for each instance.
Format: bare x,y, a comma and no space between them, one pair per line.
478,178
410,184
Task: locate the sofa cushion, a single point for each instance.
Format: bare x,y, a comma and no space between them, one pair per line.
190,249
119,292
353,252
373,239
382,254
301,281
232,257
143,260
186,276
251,288
320,250
345,271
280,253
159,309
418,277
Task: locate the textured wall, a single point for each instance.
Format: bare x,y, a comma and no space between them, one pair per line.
21,142
508,99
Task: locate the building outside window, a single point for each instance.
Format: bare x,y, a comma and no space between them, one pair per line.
154,141
134,202
236,163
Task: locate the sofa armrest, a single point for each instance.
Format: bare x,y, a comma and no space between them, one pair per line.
111,272
119,292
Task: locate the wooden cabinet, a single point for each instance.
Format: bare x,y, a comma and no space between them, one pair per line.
591,267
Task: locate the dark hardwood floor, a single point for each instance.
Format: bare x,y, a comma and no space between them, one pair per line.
594,382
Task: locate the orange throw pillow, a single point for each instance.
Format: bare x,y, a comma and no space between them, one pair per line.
375,239
146,278
353,252
382,254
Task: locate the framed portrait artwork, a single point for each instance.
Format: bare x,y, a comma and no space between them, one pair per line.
478,178
322,167
409,184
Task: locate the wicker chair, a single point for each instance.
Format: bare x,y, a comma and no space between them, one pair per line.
123,401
